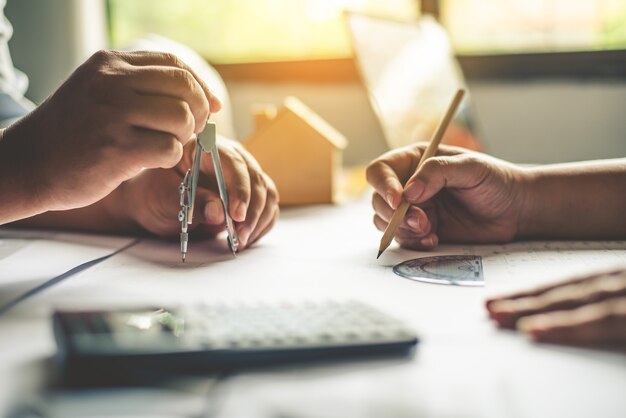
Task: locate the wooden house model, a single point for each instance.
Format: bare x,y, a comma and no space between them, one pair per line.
300,151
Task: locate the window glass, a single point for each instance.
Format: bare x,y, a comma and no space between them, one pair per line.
228,31
505,26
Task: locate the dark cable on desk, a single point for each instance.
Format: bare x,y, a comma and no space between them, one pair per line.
55,280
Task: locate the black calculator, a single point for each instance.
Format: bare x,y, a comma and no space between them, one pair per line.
129,346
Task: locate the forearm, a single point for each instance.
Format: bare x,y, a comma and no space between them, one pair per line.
18,197
575,201
98,217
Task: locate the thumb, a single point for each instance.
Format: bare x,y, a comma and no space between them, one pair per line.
208,208
456,172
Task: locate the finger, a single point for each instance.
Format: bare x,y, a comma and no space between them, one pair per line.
258,200
148,58
430,241
380,223
204,231
236,177
425,243
152,149
403,232
407,238
269,213
566,296
603,322
381,207
542,289
172,82
154,209
385,181
462,171
267,220
238,182
417,222
268,227
209,208
160,113
262,189
432,218
507,312
416,231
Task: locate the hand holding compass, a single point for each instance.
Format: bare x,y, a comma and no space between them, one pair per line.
206,141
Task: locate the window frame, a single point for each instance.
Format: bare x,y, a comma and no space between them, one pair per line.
597,65
607,64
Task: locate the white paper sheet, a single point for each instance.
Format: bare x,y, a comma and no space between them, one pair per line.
463,366
30,258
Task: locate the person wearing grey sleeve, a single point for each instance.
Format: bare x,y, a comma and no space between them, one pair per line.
13,83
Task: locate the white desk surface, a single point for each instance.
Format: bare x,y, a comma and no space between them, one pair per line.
463,366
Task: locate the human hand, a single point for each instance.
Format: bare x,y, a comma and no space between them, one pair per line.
253,198
116,114
588,310
456,196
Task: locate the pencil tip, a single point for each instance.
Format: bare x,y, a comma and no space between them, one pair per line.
379,254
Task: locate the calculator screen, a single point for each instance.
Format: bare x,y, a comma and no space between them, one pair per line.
145,322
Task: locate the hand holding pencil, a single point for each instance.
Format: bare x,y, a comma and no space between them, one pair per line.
455,196
401,211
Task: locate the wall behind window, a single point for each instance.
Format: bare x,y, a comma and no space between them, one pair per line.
536,121
543,121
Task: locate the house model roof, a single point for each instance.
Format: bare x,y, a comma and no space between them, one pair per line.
302,111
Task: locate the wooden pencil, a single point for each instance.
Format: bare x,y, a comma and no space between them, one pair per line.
400,212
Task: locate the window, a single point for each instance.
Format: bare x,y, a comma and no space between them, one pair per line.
492,38
231,31
515,26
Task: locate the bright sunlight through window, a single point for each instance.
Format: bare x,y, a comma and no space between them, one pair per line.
227,31
506,26
230,31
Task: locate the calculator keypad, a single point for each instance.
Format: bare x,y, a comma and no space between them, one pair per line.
287,325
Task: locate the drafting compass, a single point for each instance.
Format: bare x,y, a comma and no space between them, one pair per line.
206,141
